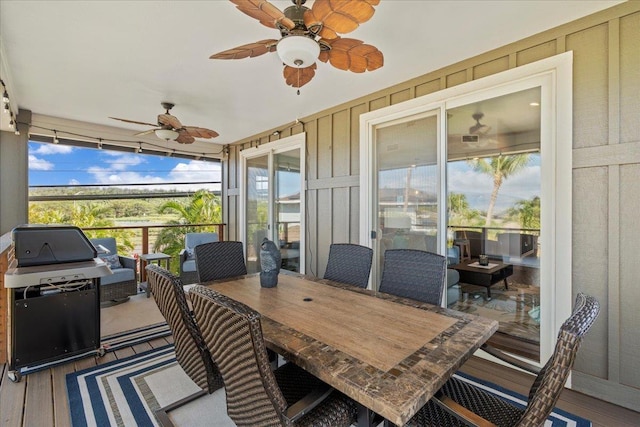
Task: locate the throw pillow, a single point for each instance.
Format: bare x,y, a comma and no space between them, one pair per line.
112,261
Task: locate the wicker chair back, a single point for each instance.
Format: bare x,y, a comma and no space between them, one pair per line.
549,383
219,260
234,334
191,351
349,263
414,274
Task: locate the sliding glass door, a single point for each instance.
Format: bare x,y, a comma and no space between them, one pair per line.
256,208
273,201
494,193
488,173
407,182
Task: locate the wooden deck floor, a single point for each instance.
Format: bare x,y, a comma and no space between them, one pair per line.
40,399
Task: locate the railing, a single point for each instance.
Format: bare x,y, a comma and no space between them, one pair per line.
488,232
496,241
143,246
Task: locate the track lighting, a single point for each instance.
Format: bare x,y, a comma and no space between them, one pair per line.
17,132
140,148
55,137
5,96
6,108
99,143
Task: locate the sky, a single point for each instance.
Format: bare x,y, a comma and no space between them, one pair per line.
524,185
56,164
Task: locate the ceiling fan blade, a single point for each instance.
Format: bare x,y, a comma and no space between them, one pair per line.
200,132
298,77
336,16
265,12
248,50
147,132
169,120
352,55
184,137
134,122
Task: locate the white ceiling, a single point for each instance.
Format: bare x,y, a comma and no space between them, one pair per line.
88,60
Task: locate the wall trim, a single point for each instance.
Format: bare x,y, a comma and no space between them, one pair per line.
335,182
607,155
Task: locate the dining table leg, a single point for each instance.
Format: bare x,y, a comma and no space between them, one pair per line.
366,417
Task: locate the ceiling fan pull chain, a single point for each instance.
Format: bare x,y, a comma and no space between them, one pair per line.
298,81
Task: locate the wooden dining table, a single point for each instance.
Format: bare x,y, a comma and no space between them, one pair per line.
387,353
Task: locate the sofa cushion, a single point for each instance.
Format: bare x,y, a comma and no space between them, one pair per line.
189,265
192,240
119,275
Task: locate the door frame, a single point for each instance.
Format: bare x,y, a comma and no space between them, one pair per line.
282,145
555,75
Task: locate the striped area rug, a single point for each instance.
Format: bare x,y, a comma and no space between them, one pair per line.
126,392
135,336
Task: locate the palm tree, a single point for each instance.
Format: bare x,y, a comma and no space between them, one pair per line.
527,213
500,168
458,203
202,208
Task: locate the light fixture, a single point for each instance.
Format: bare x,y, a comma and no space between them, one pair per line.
139,147
99,143
6,108
5,96
298,51
55,137
17,132
167,134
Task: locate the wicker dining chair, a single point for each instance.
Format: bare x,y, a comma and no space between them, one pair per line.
256,395
349,263
219,260
459,403
414,274
191,351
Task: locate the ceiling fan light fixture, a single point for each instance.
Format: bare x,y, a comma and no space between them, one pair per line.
298,51
166,134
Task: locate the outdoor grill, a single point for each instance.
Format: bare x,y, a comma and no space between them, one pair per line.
54,309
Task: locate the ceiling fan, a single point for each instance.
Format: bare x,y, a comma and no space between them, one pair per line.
310,34
170,128
478,128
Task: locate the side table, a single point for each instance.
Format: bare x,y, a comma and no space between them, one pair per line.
145,259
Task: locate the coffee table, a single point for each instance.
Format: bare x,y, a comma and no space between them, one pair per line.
474,274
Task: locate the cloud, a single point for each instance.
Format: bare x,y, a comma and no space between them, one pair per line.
123,161
36,163
49,149
119,176
195,171
478,186
191,173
